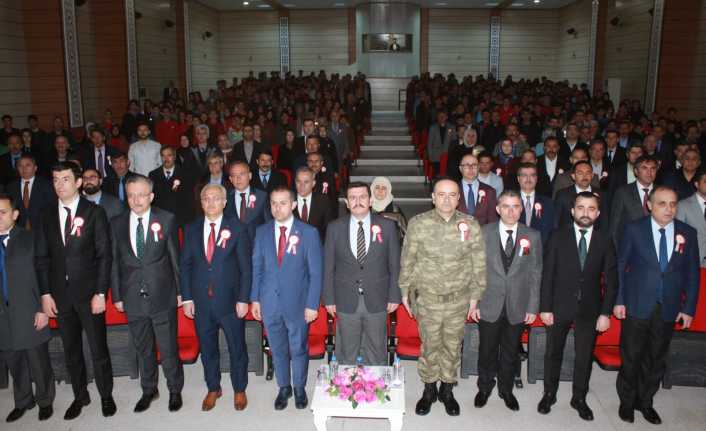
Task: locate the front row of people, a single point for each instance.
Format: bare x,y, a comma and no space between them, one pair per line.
450,270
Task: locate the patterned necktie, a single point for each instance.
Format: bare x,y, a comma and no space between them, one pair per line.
645,209
100,163
509,244
211,245
610,155
242,207
67,225
471,207
361,243
281,244
305,212
140,239
169,175
528,210
583,248
3,276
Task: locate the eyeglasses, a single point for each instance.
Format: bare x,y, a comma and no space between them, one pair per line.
468,165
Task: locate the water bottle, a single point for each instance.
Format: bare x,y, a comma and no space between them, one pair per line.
333,367
359,362
397,372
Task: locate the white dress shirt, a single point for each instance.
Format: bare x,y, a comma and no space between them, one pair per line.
494,181
215,180
300,204
669,233
597,168
502,227
551,167
99,152
474,186
631,174
577,234
168,173
73,206
133,228
144,156
96,198
642,192
207,231
578,190
22,186
237,199
287,224
353,233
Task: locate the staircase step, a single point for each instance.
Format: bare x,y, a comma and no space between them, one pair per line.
391,138
399,148
394,179
388,124
407,154
411,190
387,170
383,163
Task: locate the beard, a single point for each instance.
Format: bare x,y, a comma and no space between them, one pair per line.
91,189
584,222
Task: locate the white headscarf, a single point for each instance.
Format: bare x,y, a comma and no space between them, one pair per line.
380,205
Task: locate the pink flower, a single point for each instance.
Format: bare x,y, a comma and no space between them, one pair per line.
370,387
359,396
371,396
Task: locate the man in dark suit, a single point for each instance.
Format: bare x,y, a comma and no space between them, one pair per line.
91,186
31,191
145,280
511,299
173,188
264,177
8,161
286,292
615,155
582,174
24,334
477,198
98,155
215,281
630,202
202,149
537,210
360,278
313,145
624,173
312,208
325,182
248,149
658,273
549,166
575,259
441,134
571,141
308,129
115,185
682,180
75,239
247,204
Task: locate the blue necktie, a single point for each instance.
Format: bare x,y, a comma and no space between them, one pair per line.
3,276
121,190
264,180
471,201
663,261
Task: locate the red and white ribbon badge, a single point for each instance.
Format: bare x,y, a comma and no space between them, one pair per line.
524,246
481,195
538,210
463,229
76,226
377,233
223,238
176,184
251,201
324,187
293,241
681,244
156,229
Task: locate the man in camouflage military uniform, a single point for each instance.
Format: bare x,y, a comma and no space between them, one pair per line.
442,279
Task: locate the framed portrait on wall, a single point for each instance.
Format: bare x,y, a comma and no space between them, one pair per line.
387,42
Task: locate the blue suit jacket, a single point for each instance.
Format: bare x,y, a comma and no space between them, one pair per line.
544,221
253,216
295,285
639,274
229,274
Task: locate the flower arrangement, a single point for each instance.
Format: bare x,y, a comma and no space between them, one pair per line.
358,385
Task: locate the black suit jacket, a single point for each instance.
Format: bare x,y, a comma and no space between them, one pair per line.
619,158
320,213
545,186
565,150
175,194
156,274
542,215
239,154
42,194
7,172
22,266
112,205
275,179
112,185
570,292
81,268
626,206
88,158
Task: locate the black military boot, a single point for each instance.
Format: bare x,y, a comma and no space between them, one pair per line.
428,398
446,396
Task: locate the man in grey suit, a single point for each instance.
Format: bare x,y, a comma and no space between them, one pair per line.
692,211
145,281
511,300
361,272
441,134
630,201
92,182
24,334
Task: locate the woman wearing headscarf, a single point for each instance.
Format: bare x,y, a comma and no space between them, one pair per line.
382,203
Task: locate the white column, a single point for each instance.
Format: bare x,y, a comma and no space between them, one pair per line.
187,47
283,45
593,38
494,54
71,63
131,41
653,59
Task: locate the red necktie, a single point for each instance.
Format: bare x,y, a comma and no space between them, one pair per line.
305,212
645,208
282,244
211,245
242,207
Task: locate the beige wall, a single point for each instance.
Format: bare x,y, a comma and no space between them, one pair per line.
572,59
528,43
249,41
458,41
14,82
205,57
318,39
627,46
156,47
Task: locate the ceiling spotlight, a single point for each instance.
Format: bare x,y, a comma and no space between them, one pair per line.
245,3
537,1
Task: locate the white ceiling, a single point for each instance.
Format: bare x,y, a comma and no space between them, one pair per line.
326,4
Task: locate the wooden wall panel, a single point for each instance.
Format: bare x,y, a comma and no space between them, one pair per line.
627,46
528,43
205,57
14,77
572,59
458,41
249,42
308,29
157,56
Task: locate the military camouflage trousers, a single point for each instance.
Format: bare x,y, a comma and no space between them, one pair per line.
441,326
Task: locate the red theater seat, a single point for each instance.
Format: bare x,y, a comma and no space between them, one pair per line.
443,163
112,315
699,322
607,348
187,340
287,175
321,332
408,343
275,153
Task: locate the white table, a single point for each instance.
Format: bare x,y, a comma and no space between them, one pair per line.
324,406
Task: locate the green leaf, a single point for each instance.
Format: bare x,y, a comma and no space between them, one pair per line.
355,404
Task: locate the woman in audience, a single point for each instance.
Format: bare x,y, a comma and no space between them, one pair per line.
383,204
286,151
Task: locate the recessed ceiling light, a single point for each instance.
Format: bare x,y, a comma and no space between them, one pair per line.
492,4
517,4
537,1
245,3
264,6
